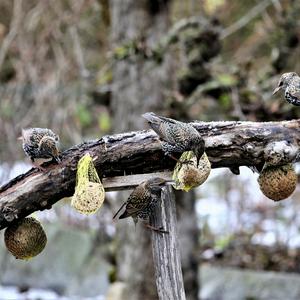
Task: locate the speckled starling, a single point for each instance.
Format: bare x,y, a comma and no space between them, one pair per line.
290,83
177,137
40,144
142,200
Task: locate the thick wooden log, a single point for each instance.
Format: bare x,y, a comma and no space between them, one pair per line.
165,249
228,144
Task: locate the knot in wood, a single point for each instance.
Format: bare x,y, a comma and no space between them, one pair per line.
280,153
9,213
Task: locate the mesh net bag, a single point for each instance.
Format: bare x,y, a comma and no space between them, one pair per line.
89,191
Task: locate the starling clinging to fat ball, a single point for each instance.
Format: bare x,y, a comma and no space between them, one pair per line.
40,144
290,83
142,200
177,137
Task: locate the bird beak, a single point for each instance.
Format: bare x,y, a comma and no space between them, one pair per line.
276,90
20,138
57,159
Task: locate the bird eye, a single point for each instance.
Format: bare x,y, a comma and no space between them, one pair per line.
280,83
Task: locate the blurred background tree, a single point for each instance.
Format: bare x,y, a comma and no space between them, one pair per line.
88,68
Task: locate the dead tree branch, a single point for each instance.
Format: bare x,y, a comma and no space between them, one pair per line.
228,144
247,18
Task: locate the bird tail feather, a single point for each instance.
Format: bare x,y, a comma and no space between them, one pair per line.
119,211
124,215
153,120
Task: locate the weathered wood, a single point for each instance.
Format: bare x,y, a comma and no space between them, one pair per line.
165,249
228,144
131,181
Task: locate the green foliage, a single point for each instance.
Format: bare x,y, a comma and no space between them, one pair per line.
84,115
105,77
226,79
211,6
104,121
125,50
112,275
225,100
6,109
120,52
223,242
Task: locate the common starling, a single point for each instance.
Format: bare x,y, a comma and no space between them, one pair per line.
40,144
142,200
177,137
290,83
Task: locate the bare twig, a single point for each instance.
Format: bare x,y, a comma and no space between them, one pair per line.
246,19
78,52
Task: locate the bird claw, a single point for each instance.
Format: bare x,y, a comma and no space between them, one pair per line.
186,162
161,230
39,167
42,169
189,162
57,159
158,230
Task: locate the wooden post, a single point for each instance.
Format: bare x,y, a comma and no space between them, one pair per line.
166,256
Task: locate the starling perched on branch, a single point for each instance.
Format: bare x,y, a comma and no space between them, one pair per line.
290,83
40,144
142,200
177,137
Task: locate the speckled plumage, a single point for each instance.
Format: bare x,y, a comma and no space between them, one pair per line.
290,83
176,136
40,143
142,200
